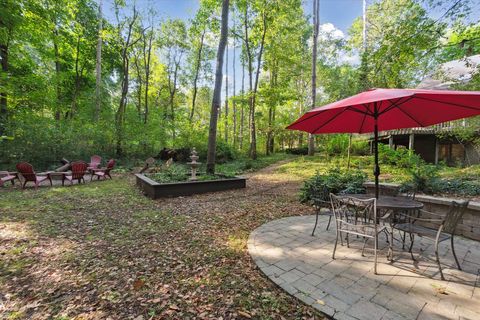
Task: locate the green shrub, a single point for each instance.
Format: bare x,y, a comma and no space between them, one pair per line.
173,173
334,181
297,151
360,148
337,144
401,157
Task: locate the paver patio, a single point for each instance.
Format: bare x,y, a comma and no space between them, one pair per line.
346,288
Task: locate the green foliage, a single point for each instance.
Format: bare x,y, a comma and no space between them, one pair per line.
400,157
335,181
360,147
401,43
173,173
424,177
460,187
298,151
337,144
49,81
243,165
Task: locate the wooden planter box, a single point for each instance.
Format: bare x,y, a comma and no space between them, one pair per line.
154,190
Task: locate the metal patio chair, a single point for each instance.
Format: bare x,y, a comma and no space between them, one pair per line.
356,217
321,201
447,225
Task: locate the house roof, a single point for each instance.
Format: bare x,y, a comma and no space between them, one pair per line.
452,72
448,74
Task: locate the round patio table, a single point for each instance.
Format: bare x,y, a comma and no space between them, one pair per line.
388,205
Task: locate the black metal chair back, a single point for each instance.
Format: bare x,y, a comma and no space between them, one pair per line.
321,197
454,215
351,210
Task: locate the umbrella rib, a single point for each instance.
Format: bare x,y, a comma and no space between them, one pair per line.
410,116
395,104
329,120
450,103
307,118
363,121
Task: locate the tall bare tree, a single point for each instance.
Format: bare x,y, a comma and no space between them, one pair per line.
198,66
216,101
250,56
98,80
234,105
225,116
126,43
316,24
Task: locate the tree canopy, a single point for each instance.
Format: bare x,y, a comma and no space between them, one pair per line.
157,75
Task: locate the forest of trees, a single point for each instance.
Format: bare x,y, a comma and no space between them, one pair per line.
74,83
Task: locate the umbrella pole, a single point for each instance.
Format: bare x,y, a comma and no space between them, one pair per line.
376,170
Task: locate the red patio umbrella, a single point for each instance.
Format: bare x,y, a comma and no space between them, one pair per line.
387,109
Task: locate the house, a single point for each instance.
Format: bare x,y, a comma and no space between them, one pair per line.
439,143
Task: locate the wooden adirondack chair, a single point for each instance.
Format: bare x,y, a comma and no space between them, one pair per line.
6,176
79,169
26,171
94,162
104,172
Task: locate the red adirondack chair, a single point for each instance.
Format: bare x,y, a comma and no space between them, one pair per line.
94,162
6,176
79,169
28,174
104,172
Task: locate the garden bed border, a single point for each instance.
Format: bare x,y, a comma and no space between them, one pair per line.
155,190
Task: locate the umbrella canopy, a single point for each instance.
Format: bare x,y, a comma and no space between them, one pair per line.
387,109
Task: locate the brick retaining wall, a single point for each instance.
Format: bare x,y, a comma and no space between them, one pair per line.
469,227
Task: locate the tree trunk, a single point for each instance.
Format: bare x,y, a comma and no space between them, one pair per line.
242,110
197,72
147,59
173,90
120,114
57,73
3,95
78,74
251,111
139,89
212,134
316,5
226,92
98,80
253,134
234,106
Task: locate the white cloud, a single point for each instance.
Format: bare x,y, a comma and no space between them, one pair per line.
352,59
328,30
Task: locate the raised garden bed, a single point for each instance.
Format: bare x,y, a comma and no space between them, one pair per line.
155,190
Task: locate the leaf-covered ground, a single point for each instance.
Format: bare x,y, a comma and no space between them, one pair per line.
104,251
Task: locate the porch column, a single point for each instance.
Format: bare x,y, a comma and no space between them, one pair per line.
411,141
390,142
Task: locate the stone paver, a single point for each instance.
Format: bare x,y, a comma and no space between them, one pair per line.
346,288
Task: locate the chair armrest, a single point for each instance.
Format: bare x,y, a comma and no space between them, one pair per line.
417,218
421,211
427,220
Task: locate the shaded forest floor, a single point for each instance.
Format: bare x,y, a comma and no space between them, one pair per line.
103,250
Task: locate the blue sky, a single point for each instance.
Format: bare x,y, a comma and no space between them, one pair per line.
340,13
